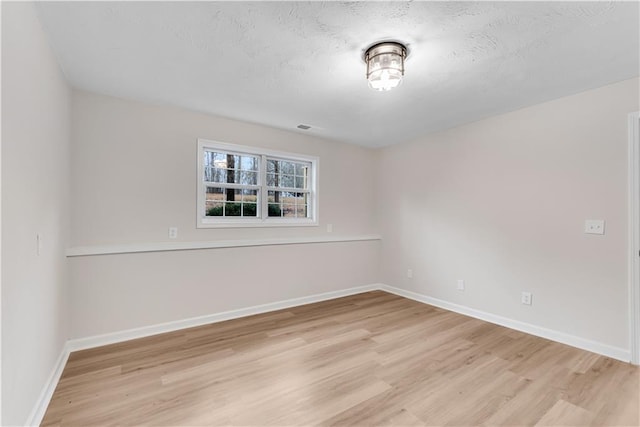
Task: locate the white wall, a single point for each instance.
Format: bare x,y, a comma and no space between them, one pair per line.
501,203
133,174
35,149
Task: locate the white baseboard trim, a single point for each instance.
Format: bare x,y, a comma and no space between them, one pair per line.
550,334
99,340
35,418
561,337
38,411
145,331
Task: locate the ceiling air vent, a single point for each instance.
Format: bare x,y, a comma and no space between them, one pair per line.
303,127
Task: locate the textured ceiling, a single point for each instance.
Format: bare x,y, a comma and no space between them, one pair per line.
286,63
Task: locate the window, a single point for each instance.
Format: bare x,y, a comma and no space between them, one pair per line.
242,186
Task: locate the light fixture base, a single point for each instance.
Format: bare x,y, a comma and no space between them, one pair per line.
385,64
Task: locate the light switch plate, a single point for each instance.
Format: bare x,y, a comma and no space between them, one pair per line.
594,226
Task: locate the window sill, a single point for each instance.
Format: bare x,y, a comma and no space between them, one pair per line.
187,246
255,224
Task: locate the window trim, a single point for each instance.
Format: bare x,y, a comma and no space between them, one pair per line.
266,221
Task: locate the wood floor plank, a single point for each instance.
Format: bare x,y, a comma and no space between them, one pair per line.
564,413
368,359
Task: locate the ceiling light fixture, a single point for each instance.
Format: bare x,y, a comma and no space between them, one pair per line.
385,65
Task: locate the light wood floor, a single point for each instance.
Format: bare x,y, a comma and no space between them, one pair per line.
369,359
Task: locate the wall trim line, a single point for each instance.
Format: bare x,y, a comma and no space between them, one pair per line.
145,331
554,335
217,244
35,418
621,354
40,408
38,411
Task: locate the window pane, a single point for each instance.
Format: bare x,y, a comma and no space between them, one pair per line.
248,178
288,210
249,209
287,181
301,211
214,194
228,202
288,167
230,168
289,174
274,209
249,163
288,204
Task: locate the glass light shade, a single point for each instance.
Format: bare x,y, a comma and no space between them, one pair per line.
385,65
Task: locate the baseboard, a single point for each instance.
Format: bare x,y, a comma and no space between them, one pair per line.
35,418
38,411
561,337
96,341
115,337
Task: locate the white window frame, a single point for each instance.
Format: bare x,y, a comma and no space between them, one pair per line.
203,221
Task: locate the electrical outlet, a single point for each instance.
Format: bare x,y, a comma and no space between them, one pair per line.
460,285
526,298
329,228
173,232
410,273
594,226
